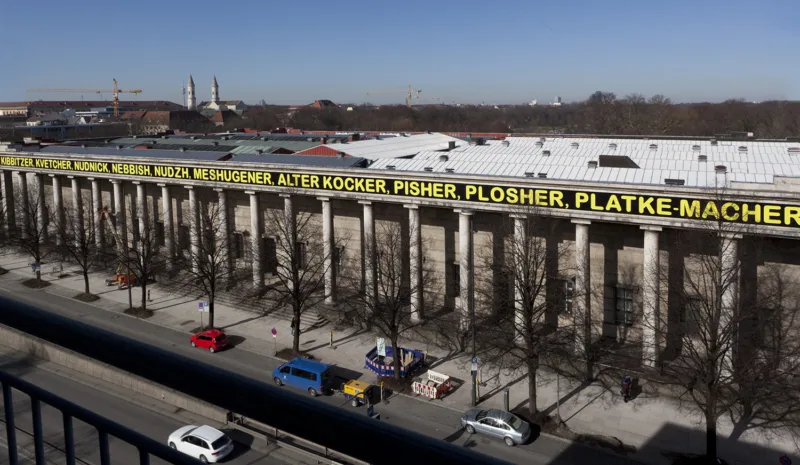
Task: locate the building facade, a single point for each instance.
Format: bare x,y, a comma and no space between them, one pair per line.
623,246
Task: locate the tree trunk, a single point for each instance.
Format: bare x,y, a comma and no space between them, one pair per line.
296,336
86,280
39,276
533,366
396,358
211,311
144,292
711,428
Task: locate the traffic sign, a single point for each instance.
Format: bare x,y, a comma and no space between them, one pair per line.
381,345
274,332
785,460
475,364
202,307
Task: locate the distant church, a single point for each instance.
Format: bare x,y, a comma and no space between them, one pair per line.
215,105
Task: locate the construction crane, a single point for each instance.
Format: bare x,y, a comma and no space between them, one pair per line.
115,91
409,93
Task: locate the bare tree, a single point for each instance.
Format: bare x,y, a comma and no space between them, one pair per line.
78,237
712,331
33,217
141,255
767,388
206,266
301,263
389,309
521,290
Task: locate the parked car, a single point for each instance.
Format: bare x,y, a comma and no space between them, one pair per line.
308,375
211,339
205,443
497,423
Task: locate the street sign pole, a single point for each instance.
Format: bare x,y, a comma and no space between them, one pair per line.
274,340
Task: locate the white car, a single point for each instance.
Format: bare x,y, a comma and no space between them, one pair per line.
208,444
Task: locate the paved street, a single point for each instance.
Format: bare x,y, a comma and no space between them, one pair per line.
145,415
653,425
424,417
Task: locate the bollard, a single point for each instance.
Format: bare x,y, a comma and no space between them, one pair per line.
505,399
381,391
331,339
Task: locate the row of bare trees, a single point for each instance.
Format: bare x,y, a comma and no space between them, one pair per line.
601,113
737,346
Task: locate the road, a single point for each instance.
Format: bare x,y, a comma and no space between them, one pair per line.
121,406
438,422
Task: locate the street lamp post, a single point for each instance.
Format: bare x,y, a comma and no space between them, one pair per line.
472,305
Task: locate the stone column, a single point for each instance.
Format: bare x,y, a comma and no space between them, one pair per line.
582,307
77,207
328,250
465,238
194,228
7,189
41,209
651,296
370,272
119,213
415,263
289,253
223,233
729,280
24,207
141,211
58,206
169,229
97,205
255,239
520,236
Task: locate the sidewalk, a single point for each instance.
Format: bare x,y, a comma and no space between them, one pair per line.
652,425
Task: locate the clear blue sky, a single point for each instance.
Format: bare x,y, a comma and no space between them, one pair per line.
293,52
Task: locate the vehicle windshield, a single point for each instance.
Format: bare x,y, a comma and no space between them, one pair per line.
481,415
514,422
220,443
325,375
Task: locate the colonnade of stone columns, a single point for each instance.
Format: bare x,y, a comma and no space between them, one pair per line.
651,272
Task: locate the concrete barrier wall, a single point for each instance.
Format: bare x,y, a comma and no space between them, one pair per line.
74,361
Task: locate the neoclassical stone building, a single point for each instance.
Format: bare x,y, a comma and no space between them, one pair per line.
621,208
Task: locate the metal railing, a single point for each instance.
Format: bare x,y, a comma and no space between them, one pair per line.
69,411
346,432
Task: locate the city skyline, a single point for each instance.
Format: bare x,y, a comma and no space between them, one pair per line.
454,52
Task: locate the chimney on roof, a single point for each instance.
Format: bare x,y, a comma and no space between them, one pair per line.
702,158
542,175
546,153
528,174
450,170
539,144
428,168
340,154
389,167
259,151
713,141
451,145
443,158
505,143
592,164
721,169
574,145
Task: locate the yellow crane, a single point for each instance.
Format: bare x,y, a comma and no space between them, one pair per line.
409,93
115,92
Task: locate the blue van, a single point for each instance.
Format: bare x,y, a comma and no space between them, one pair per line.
305,374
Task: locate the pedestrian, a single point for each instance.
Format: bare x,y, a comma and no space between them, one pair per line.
294,324
626,388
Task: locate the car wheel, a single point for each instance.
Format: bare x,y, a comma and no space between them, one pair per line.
313,392
354,403
172,444
278,381
193,344
211,349
203,459
470,429
509,442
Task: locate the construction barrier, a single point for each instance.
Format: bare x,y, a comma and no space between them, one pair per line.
434,387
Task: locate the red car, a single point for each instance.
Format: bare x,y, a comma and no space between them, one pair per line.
211,339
